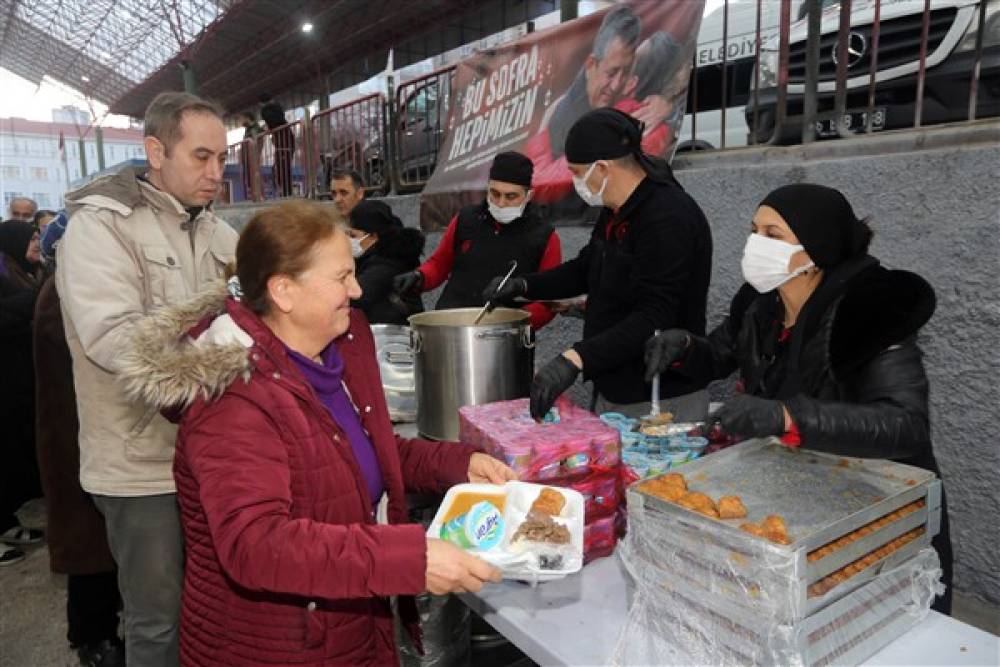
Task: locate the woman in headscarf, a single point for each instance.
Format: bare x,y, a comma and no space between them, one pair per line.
382,249
824,339
20,270
20,258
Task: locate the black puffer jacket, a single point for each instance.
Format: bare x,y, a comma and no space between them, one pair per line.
851,375
397,251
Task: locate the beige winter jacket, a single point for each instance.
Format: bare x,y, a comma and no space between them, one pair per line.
128,248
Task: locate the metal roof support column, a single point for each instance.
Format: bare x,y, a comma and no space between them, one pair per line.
99,141
190,84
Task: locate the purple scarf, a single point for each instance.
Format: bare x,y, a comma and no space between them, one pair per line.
327,381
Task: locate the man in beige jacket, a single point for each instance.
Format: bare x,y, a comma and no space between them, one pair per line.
138,241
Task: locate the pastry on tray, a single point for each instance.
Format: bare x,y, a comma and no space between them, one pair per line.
669,487
772,529
549,501
699,502
731,507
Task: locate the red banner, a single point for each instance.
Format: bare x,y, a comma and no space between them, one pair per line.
524,96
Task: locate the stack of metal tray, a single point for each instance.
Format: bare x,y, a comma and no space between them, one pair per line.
822,498
847,631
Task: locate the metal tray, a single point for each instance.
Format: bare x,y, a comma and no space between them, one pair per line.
821,497
856,625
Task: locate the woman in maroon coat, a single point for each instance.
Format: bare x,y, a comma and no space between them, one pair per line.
284,451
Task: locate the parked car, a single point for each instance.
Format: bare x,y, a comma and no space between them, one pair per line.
950,56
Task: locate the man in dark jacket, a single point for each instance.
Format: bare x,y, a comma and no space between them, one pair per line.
481,241
382,249
647,267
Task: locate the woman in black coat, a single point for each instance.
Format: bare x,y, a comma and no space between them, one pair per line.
19,271
383,249
824,339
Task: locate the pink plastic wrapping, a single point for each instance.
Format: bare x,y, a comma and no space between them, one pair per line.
574,446
600,491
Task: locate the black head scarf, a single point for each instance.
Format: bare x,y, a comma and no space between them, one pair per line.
374,217
823,220
14,239
609,134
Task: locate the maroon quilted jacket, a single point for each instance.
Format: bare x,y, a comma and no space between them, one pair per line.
285,564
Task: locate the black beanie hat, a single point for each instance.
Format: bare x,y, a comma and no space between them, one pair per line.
603,134
373,217
609,134
823,221
512,167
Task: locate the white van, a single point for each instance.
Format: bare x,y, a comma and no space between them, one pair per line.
705,87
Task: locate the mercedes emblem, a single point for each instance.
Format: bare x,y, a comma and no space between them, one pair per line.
856,46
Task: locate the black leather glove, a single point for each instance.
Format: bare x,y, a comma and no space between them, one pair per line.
512,289
552,380
749,416
405,283
665,349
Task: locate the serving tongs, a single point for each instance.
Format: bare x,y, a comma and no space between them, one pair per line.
489,302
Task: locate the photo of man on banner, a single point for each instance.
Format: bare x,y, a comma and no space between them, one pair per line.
634,56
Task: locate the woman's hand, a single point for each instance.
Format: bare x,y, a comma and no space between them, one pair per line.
484,469
451,570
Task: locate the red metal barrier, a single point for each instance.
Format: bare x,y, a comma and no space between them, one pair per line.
421,117
285,168
352,136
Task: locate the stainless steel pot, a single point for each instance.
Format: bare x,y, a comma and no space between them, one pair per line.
395,362
459,363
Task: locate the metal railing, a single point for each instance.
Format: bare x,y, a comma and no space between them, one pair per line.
241,175
284,164
818,69
876,70
352,136
421,116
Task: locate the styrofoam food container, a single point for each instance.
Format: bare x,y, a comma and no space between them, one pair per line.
520,495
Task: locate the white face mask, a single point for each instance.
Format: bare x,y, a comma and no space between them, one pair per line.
356,249
765,262
588,197
507,214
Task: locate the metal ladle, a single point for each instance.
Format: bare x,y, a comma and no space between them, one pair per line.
486,308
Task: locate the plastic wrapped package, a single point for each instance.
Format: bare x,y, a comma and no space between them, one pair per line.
599,538
570,443
672,624
600,491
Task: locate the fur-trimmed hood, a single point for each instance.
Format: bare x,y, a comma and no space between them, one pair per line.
183,352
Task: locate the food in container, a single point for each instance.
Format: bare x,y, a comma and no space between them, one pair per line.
521,559
482,527
549,501
539,526
463,502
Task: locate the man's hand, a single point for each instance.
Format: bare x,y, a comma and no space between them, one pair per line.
494,295
484,469
451,570
663,350
552,380
749,416
409,282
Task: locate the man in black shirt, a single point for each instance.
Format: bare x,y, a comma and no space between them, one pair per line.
647,267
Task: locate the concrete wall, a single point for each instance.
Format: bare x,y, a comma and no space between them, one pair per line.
934,200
